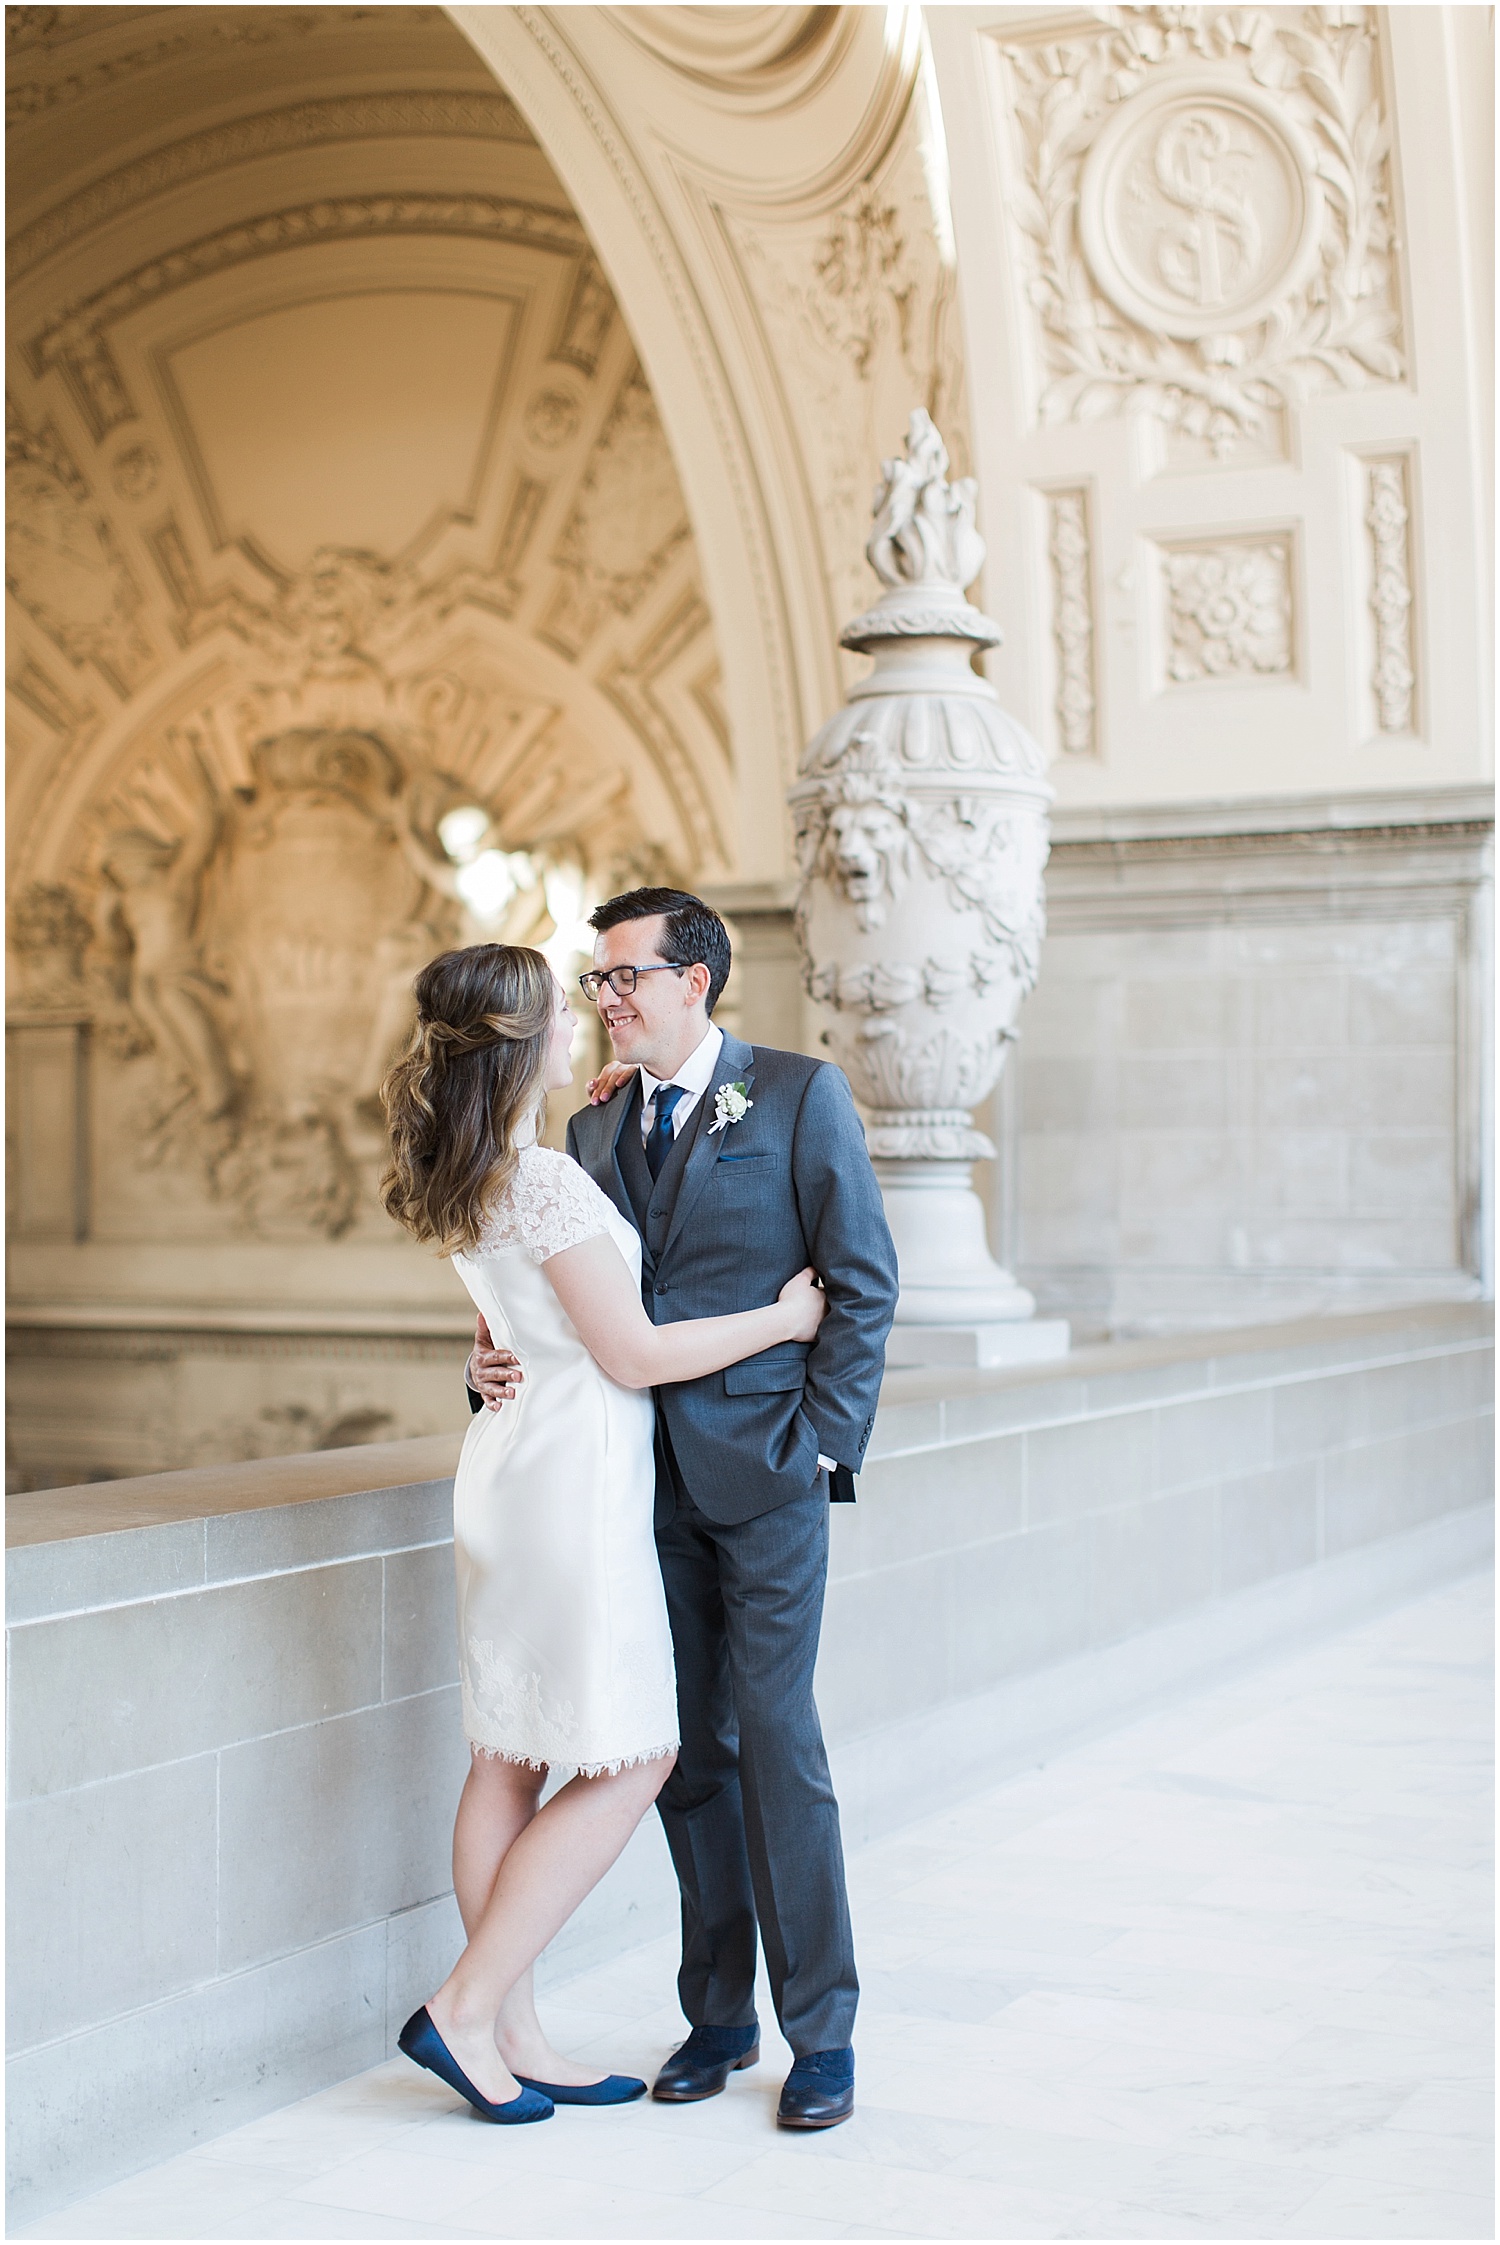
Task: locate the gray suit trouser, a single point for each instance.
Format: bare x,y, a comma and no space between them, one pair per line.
749,1810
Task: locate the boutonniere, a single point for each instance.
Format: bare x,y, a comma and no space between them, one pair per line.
730,1106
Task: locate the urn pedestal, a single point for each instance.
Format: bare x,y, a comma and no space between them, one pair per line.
921,818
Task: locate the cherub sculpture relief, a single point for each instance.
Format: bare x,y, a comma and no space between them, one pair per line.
148,912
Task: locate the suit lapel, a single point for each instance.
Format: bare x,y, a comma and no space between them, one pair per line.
736,1065
619,1191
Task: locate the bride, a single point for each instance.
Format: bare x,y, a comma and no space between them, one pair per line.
565,1658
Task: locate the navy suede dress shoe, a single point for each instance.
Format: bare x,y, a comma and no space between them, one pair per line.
421,2042
819,2091
705,2062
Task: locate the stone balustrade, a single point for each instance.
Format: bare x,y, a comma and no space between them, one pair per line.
234,1732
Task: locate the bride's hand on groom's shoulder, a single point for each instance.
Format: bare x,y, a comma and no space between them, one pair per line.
611,1077
804,1297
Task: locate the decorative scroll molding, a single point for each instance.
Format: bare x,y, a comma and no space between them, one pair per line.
1204,206
645,684
1228,608
46,29
42,695
1069,550
748,51
306,124
587,320
626,524
1388,519
75,342
63,563
49,936
858,307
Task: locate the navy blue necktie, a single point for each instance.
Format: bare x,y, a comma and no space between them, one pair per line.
659,1136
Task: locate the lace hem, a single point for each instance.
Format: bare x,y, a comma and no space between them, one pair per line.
579,1769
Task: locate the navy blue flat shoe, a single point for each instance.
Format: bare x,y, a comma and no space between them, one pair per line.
614,2089
420,2041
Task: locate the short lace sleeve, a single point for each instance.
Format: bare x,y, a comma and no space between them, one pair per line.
550,1204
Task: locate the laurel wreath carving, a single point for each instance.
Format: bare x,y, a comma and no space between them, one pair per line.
1340,329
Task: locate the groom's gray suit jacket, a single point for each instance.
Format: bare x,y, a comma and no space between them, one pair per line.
734,1214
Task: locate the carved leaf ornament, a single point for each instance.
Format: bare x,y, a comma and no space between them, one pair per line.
1205,203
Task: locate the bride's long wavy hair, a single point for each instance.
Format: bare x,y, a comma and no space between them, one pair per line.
473,1073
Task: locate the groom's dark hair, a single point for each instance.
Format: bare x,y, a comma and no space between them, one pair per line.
692,935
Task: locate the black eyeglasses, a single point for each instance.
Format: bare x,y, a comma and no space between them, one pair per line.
622,980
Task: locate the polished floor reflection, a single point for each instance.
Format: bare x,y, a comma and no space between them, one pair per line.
1224,1973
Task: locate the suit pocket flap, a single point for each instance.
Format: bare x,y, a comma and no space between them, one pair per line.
757,1377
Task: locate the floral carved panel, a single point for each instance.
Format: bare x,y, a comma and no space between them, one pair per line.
1227,608
1203,212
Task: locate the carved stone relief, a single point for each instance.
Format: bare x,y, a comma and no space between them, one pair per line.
63,562
1228,608
244,910
1203,210
1388,520
1069,552
50,935
137,472
864,290
626,524
589,317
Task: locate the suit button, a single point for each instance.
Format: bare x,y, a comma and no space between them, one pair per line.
660,1288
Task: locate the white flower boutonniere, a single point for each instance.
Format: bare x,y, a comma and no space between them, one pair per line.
730,1106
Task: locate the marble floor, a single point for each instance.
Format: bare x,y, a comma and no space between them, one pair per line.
1222,1973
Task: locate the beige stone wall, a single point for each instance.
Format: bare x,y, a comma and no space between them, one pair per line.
1251,1080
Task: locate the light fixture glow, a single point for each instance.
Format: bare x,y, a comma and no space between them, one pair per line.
487,884
462,830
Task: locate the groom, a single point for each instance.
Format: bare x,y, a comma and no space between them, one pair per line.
738,1165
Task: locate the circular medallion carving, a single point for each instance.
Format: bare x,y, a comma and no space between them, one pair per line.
137,472
1198,208
551,418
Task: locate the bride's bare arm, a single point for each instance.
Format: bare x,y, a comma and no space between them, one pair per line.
596,1289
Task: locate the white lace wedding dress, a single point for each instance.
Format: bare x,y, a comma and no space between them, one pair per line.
564,1651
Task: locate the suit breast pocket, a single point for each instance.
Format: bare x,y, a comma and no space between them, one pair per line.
744,1196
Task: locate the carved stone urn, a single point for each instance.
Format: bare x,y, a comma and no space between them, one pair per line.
921,823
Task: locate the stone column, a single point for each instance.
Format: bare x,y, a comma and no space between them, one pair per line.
921,820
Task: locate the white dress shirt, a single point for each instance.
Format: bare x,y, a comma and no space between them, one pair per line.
695,1075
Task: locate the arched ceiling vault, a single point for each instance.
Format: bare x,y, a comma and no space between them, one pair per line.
294,284
766,188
